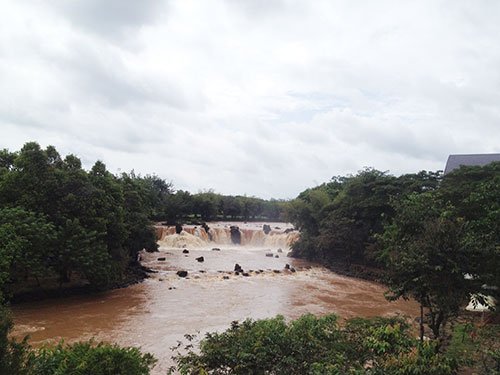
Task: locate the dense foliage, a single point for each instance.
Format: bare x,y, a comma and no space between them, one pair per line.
312,345
477,346
436,239
89,358
339,220
61,223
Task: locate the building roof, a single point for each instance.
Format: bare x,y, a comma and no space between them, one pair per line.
456,161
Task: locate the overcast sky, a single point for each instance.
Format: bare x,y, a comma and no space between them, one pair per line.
256,97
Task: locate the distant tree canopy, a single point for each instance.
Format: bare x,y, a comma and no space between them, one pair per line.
209,206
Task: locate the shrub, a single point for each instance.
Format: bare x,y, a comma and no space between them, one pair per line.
311,345
89,358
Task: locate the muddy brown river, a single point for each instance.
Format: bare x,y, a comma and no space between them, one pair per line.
156,313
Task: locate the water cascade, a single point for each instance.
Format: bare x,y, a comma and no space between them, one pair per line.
218,234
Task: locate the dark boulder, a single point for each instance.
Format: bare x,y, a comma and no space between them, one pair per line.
207,230
225,277
161,259
280,250
287,266
200,259
178,228
235,234
238,268
266,228
215,249
246,274
182,273
185,251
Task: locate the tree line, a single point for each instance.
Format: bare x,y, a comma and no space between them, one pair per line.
182,206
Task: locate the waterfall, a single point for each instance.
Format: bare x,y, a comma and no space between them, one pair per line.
219,234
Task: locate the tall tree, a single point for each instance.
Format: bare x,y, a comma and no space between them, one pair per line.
428,257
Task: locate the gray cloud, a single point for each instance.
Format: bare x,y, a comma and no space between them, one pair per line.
110,18
256,97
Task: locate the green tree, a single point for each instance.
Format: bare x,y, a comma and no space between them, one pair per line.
137,213
26,241
206,205
428,257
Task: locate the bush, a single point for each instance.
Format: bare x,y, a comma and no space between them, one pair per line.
477,347
89,358
312,345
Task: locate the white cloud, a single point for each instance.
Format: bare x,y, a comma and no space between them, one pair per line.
258,97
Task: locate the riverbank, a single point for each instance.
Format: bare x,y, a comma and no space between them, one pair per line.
49,289
357,271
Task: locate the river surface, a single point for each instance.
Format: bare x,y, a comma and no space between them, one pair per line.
156,313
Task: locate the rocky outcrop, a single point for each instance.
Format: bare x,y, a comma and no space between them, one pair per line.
207,230
235,234
237,268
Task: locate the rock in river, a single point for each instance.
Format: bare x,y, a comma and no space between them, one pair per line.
238,268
